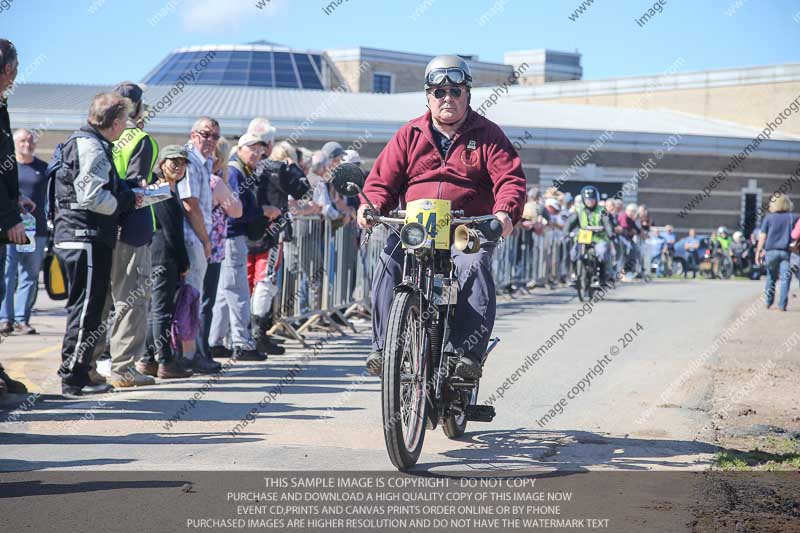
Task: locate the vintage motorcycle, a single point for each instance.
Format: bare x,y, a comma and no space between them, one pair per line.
587,267
716,263
419,389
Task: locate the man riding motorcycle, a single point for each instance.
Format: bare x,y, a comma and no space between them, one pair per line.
723,239
588,213
450,153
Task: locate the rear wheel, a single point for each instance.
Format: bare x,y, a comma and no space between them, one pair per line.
405,373
589,270
678,267
455,425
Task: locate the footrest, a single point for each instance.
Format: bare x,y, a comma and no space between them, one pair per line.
480,413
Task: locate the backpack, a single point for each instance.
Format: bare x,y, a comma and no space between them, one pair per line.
55,275
53,167
186,320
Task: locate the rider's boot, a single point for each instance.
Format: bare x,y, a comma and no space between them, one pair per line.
375,363
468,367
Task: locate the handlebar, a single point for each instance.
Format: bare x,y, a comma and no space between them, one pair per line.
489,225
397,220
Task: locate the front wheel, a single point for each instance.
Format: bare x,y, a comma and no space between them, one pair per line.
455,425
725,267
405,373
583,281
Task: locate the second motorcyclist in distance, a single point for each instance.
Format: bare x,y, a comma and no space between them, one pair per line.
588,213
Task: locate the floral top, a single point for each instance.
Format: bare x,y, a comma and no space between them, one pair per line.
219,226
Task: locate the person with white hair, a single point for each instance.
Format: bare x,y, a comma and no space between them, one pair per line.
22,268
740,250
352,156
196,197
263,128
321,195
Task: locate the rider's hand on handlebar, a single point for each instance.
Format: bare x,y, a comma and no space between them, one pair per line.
363,223
505,220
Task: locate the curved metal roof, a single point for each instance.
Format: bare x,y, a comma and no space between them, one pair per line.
260,64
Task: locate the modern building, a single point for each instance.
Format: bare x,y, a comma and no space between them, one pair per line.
259,64
661,155
388,71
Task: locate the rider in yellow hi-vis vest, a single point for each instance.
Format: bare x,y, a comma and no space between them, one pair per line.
589,214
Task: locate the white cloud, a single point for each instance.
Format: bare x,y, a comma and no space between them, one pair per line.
208,15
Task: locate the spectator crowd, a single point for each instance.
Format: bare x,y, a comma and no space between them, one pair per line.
170,253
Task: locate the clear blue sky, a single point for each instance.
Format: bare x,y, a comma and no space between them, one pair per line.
116,41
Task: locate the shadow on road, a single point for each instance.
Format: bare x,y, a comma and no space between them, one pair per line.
20,465
22,489
530,450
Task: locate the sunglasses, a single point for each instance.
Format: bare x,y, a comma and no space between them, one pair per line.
455,92
440,76
208,135
177,163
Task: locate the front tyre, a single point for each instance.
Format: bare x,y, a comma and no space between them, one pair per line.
405,373
725,267
455,425
580,280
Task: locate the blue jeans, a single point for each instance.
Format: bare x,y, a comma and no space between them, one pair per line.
21,281
777,263
231,314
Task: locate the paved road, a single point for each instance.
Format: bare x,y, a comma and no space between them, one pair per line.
329,416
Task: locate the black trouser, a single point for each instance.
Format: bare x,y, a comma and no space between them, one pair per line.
162,310
88,270
209,298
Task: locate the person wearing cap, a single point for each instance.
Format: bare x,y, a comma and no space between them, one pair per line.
196,198
451,152
334,151
170,263
231,314
135,154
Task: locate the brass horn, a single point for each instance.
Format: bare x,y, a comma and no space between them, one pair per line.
466,240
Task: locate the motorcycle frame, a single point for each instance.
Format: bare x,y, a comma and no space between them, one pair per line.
419,273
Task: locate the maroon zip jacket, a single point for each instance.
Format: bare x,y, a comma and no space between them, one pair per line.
481,174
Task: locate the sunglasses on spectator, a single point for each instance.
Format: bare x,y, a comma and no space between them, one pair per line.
455,92
208,135
176,163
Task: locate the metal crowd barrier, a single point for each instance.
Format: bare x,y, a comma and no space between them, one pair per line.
326,276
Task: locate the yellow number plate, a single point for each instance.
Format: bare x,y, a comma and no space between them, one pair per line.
585,236
435,216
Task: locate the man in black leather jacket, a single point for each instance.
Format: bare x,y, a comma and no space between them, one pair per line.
89,197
